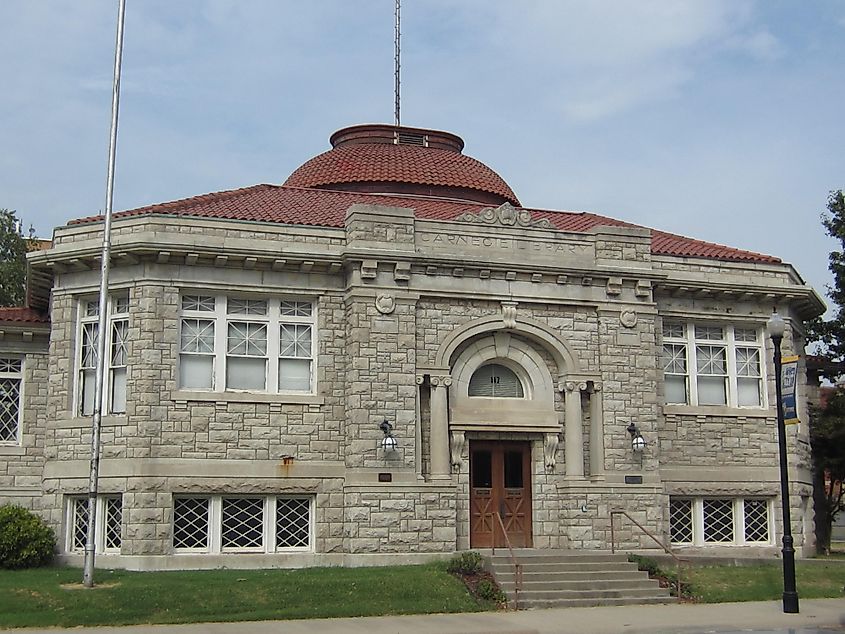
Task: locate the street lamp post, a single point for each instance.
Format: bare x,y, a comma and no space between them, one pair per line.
775,328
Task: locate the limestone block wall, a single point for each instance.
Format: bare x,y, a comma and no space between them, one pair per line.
630,376
21,464
400,519
380,378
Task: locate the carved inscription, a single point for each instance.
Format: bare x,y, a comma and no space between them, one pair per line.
515,245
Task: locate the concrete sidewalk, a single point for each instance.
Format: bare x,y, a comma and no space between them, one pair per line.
639,619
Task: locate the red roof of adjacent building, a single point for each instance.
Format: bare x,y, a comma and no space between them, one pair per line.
22,315
316,207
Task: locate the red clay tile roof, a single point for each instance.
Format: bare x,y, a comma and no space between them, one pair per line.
304,206
19,314
381,162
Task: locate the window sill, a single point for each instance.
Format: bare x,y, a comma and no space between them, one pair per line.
112,420
718,410
12,450
248,397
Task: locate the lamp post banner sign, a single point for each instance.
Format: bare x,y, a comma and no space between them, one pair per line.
788,384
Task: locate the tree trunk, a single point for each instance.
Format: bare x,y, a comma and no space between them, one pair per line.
822,518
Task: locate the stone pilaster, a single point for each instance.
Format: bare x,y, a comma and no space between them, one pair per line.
574,430
440,467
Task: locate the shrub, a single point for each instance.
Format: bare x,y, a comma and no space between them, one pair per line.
466,563
25,541
646,564
489,591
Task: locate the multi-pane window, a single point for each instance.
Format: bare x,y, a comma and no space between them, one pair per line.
712,365
114,394
495,380
719,521
11,379
242,524
107,537
261,345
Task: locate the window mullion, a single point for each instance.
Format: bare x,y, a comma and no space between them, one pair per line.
698,521
739,521
221,329
692,363
733,388
215,519
270,524
273,345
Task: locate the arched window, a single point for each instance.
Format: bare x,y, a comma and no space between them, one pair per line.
494,380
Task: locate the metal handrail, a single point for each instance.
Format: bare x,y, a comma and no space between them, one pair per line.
517,567
678,561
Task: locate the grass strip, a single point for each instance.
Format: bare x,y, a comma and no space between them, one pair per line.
46,597
764,582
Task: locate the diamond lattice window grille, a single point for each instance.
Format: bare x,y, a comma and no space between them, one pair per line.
293,523
718,520
190,523
114,516
756,520
79,523
242,523
10,409
680,521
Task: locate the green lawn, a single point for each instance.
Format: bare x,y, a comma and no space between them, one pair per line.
54,597
715,584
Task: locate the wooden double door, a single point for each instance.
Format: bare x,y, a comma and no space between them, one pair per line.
500,483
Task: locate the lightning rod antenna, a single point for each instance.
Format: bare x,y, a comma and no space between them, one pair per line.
396,35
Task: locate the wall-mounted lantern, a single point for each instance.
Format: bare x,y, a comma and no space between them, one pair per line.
638,443
388,443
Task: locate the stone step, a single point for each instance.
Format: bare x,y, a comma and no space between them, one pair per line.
530,574
585,603
561,578
622,592
553,566
598,584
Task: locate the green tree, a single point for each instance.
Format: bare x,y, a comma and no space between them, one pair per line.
827,425
827,439
13,248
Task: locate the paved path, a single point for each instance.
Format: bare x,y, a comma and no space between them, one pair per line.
816,615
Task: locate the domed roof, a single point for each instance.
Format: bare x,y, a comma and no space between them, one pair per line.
389,159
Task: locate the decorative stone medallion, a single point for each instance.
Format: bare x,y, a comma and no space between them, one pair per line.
628,318
385,304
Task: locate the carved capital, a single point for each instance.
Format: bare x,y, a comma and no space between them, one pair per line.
597,386
571,386
420,379
441,381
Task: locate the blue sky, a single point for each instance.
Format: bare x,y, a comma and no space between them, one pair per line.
718,119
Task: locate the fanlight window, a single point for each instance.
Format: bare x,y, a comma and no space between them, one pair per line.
494,380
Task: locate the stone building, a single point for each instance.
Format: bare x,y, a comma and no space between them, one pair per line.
259,339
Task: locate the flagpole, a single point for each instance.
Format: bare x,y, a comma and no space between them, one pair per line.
102,334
